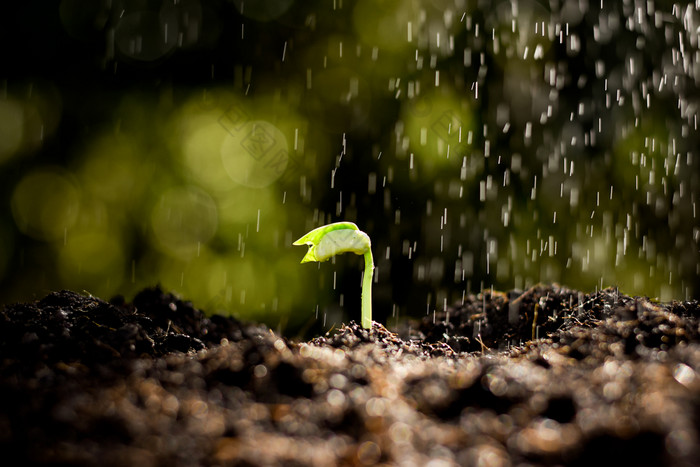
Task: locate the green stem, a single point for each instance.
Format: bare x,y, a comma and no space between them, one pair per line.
367,290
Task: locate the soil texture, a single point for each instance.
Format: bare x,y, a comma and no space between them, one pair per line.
543,376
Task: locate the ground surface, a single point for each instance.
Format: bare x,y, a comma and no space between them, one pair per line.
612,380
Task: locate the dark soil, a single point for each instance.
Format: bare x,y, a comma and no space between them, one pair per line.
611,380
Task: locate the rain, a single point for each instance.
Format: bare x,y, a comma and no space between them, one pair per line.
481,145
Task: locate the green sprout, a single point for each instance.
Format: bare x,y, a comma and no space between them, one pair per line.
343,237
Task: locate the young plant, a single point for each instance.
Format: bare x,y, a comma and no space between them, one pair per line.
343,237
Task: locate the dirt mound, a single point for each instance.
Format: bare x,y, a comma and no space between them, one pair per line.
611,379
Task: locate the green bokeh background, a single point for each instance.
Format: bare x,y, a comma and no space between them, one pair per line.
479,144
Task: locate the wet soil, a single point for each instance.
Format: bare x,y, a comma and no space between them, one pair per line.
543,376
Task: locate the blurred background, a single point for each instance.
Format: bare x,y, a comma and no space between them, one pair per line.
480,144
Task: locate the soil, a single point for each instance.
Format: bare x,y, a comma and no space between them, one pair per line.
600,379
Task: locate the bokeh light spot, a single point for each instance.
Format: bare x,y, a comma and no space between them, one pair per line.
439,126
201,143
92,261
45,203
385,24
255,154
111,171
183,219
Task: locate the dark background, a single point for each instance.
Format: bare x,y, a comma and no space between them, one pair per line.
189,143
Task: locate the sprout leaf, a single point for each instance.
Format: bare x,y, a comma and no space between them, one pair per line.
343,237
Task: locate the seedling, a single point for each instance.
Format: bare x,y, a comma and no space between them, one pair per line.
343,237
